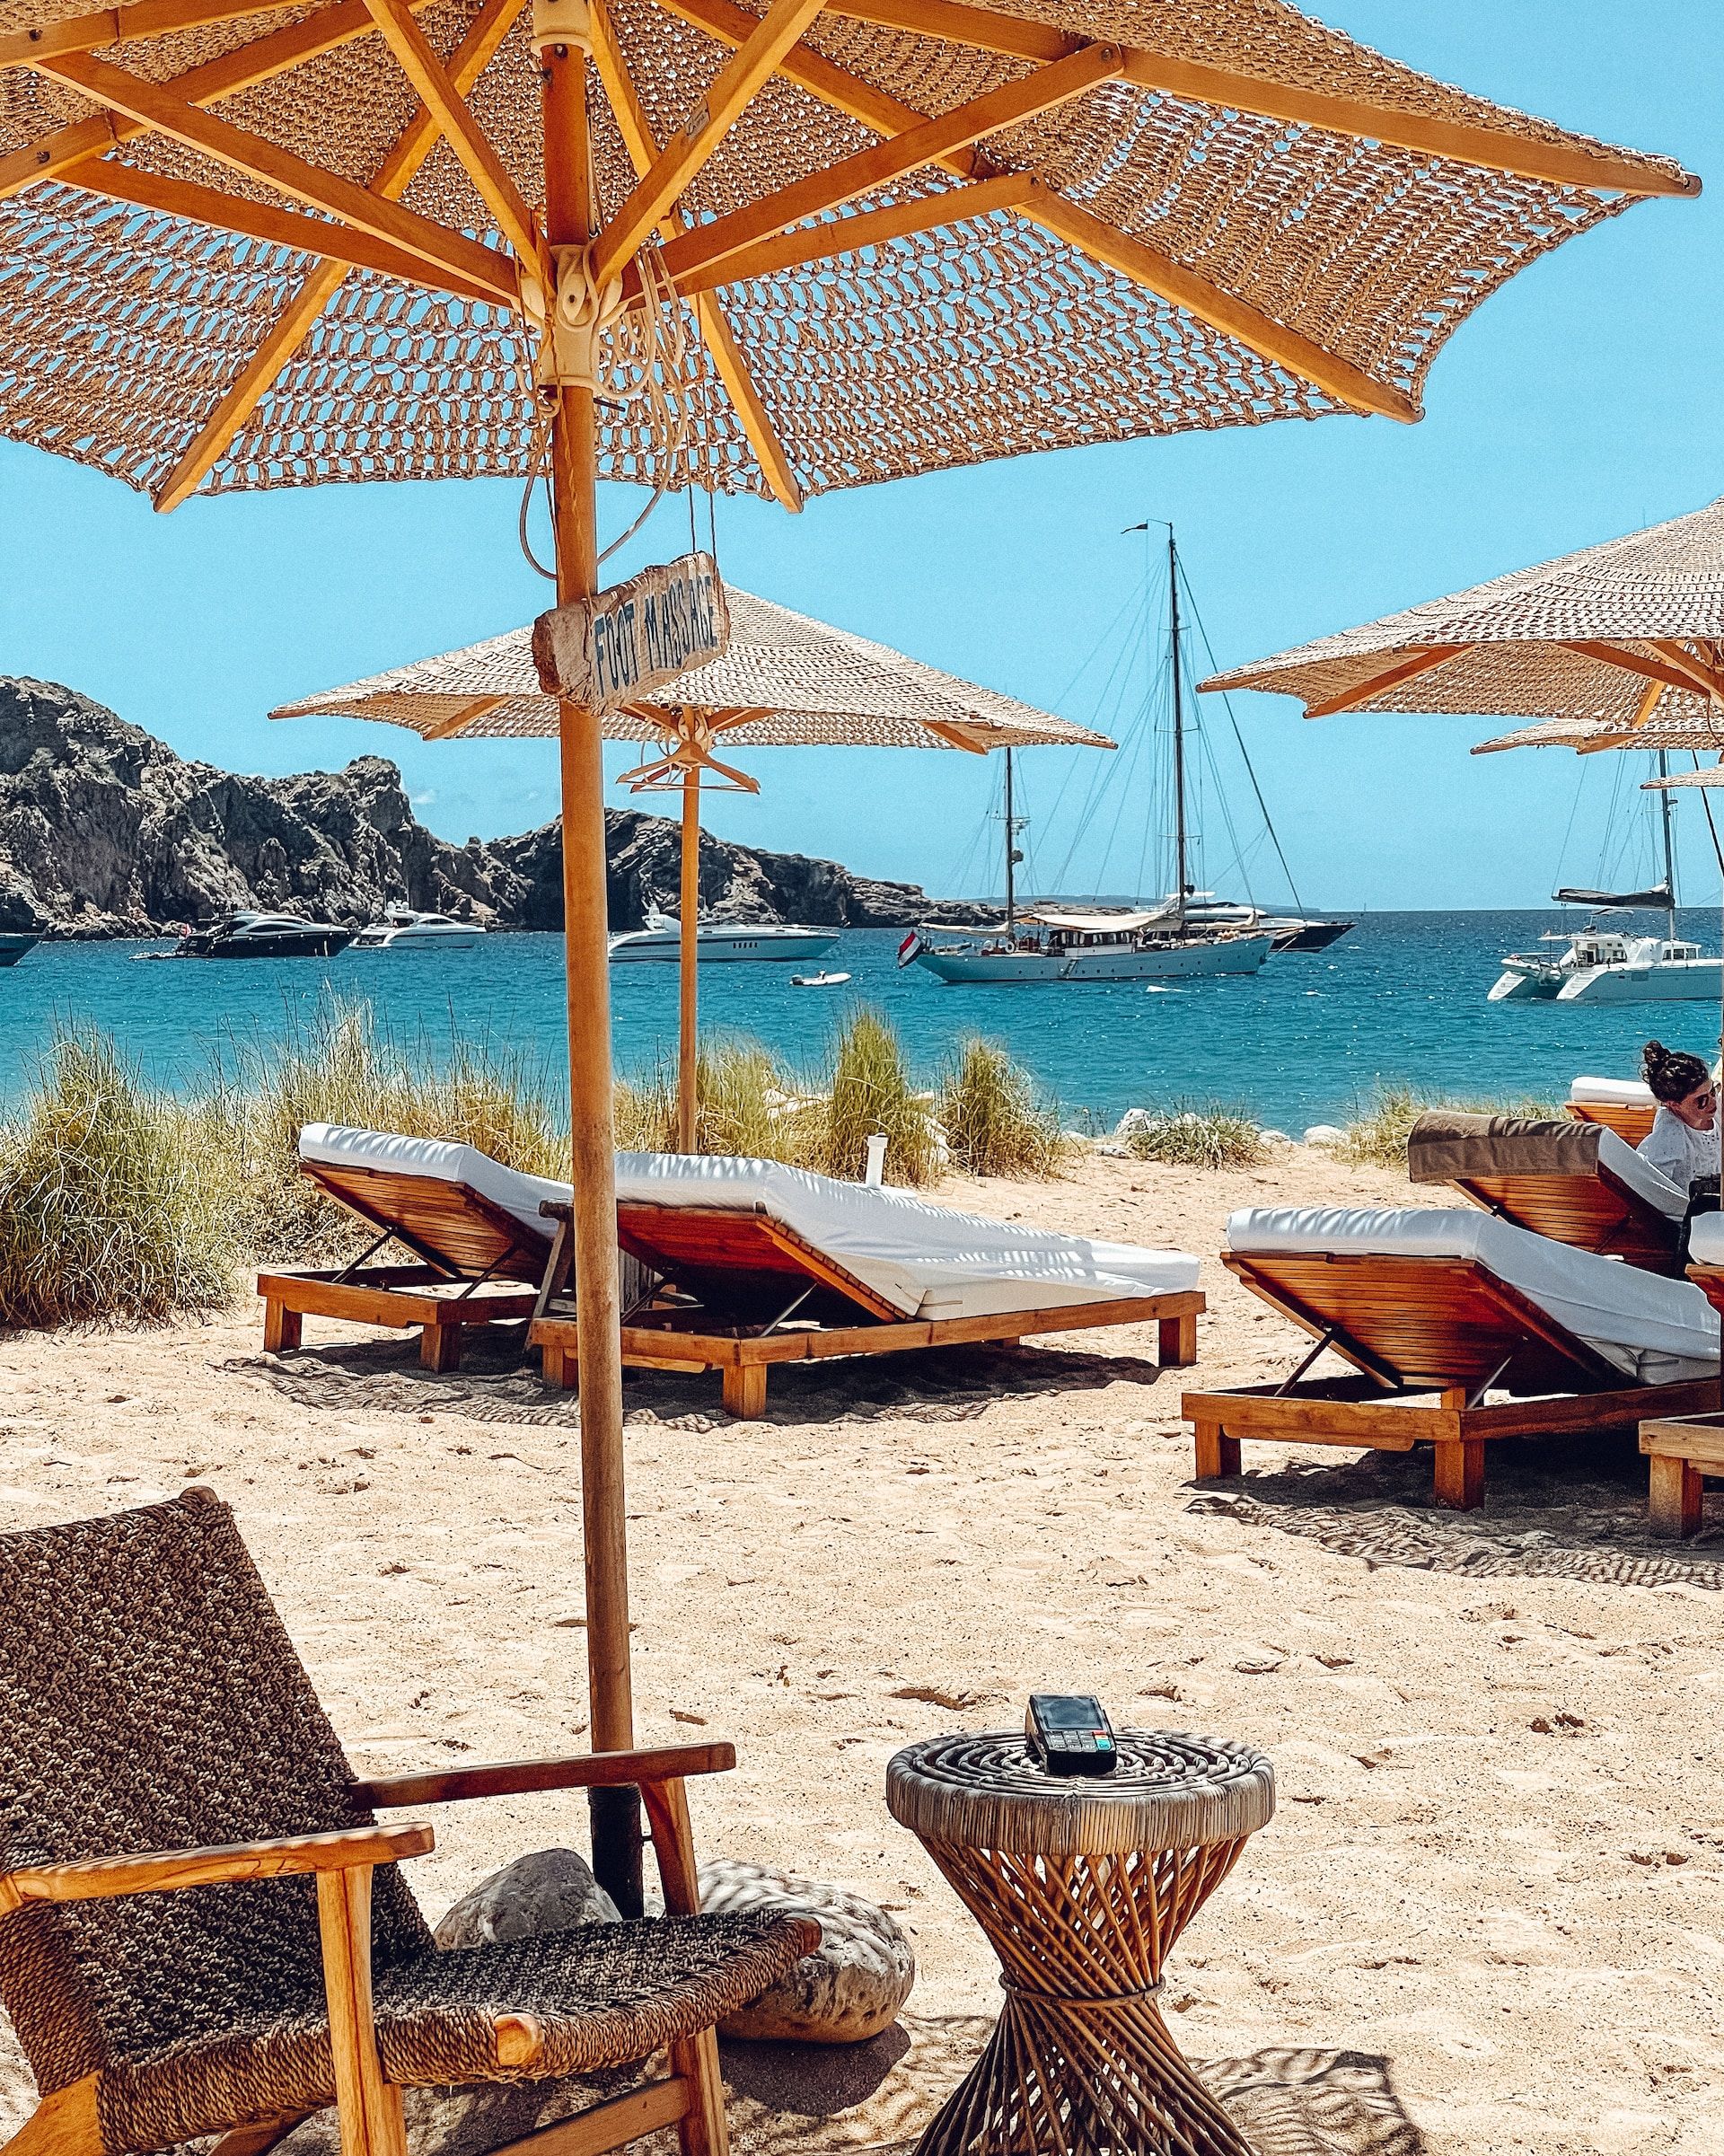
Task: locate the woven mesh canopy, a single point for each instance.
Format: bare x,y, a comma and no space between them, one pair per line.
784,681
1249,212
1625,637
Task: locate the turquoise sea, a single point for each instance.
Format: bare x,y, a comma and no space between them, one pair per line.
1302,1041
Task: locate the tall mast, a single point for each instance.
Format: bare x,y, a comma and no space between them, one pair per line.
1011,848
1669,850
1179,877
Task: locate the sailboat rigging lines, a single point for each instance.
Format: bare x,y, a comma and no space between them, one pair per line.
1187,934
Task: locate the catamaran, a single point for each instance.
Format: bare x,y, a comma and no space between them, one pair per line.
1596,964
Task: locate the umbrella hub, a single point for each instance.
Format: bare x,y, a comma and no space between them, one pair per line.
570,326
568,22
687,747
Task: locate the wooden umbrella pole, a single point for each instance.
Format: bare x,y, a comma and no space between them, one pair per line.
615,1814
687,1039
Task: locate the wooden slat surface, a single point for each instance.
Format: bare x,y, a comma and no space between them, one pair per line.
1588,1212
1424,1320
701,1247
444,1222
1631,1124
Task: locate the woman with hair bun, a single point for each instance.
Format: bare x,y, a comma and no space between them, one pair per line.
1683,1142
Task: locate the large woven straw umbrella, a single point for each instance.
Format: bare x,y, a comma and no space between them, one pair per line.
784,681
246,246
1620,638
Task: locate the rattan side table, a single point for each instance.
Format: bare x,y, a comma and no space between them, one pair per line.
1082,1887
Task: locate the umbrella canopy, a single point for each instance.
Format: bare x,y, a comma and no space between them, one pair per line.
1699,733
1613,637
229,235
784,680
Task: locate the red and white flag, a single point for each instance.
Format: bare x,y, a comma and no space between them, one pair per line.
907,949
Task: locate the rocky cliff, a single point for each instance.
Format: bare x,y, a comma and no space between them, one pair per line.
105,831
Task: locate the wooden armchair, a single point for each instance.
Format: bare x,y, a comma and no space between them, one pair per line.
273,1961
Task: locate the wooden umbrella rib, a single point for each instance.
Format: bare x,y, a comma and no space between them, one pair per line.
824,79
868,228
754,61
442,99
903,153
231,72
1690,675
157,108
1407,667
403,160
1707,677
338,244
726,353
141,20
1301,356
1223,311
1567,163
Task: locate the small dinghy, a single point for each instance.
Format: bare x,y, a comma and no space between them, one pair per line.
818,980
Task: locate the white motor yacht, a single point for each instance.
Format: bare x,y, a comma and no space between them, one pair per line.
402,929
756,942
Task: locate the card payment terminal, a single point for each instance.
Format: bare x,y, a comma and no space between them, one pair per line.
1070,1735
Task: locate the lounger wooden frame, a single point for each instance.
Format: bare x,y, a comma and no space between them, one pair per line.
477,1264
1631,1120
744,1241
1599,1212
1430,1336
1679,1454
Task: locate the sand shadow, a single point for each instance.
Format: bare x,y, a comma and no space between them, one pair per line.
1569,1508
788,2098
496,1384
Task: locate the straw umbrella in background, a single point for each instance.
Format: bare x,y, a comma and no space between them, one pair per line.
678,240
783,681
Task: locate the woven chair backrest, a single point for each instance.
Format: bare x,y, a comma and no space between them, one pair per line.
153,1700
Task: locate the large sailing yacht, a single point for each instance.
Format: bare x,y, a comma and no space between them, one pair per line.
1173,939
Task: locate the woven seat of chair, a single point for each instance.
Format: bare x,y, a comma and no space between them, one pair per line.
603,1995
1169,1790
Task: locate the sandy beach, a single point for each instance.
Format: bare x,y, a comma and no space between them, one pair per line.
1495,1881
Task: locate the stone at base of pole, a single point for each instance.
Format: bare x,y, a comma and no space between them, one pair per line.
614,1816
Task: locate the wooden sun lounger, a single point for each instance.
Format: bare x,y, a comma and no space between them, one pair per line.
1631,1121
735,1292
1430,1336
477,1265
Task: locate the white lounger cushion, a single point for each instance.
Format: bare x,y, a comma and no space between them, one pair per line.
1640,1174
924,1260
1706,1239
516,1194
1656,1331
1611,1093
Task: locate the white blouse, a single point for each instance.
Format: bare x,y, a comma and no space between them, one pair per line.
1679,1152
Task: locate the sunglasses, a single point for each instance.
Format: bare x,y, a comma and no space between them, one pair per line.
1708,1099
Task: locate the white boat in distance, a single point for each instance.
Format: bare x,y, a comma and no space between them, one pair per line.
751,942
1604,965
402,929
1079,946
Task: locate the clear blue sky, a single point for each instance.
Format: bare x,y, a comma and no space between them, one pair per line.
1584,400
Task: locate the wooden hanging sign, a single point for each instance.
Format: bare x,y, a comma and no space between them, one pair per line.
634,637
